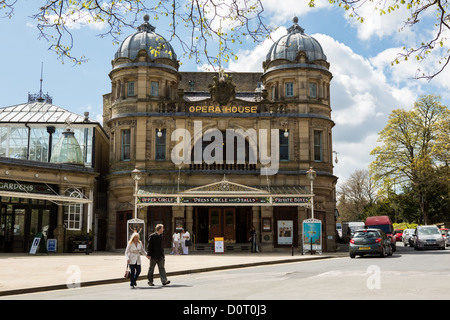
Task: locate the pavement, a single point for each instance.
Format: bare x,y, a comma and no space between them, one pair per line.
23,273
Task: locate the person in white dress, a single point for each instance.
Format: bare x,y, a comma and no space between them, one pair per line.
185,236
133,254
176,243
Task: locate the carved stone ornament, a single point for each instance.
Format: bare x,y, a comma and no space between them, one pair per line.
222,90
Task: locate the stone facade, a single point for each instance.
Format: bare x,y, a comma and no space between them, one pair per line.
150,99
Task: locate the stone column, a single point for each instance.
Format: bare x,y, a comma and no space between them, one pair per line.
267,238
59,231
189,220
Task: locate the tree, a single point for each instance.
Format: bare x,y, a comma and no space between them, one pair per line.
355,194
226,21
419,14
406,154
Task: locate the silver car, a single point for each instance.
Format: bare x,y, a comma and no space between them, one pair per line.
407,234
447,239
428,237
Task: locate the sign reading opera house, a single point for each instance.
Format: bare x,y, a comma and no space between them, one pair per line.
220,153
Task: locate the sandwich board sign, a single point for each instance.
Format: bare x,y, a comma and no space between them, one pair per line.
38,244
219,245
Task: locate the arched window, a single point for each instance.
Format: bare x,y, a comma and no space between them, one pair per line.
73,213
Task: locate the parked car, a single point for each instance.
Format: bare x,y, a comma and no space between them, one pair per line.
406,236
370,241
447,239
398,234
339,231
428,237
444,232
384,224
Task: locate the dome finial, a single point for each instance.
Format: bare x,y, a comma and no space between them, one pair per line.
147,27
295,27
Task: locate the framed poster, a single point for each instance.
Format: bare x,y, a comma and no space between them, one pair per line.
179,223
266,224
136,226
312,235
285,232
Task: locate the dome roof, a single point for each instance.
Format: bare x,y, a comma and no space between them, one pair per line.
67,150
295,41
146,39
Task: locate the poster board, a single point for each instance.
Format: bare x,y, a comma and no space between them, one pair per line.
138,226
312,236
285,232
51,245
219,245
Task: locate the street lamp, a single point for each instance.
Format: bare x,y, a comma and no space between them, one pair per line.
136,174
311,175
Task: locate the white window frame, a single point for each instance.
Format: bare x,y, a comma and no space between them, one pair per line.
289,89
130,89
73,213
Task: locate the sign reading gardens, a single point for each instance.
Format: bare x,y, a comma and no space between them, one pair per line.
223,109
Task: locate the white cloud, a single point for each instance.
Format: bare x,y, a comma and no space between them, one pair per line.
251,60
363,94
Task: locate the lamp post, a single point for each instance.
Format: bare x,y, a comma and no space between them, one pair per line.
136,174
311,175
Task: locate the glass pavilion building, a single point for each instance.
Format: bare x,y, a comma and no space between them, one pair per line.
51,166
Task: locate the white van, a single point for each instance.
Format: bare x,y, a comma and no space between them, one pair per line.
349,228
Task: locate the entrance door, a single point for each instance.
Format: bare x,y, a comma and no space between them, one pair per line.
7,230
12,234
121,228
39,223
222,223
160,215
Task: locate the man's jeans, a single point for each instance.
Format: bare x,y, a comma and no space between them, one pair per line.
162,270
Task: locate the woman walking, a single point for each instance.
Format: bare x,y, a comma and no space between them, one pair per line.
133,254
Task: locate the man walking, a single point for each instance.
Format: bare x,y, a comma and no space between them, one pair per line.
156,255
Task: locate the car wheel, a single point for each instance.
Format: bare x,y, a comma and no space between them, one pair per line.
352,255
405,244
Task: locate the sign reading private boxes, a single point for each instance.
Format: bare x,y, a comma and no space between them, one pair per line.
219,246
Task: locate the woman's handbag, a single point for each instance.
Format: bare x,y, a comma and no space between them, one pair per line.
188,243
127,272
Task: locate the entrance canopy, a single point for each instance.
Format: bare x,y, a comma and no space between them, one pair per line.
223,193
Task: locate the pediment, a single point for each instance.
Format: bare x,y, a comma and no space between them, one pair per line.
225,186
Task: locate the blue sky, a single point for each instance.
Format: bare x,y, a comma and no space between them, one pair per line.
364,90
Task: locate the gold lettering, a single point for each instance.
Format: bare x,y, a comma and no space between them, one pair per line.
254,109
218,110
211,109
191,109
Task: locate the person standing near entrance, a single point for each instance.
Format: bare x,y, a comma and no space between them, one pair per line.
133,253
185,236
155,253
176,243
253,239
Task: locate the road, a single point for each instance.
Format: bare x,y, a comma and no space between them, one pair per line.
408,274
